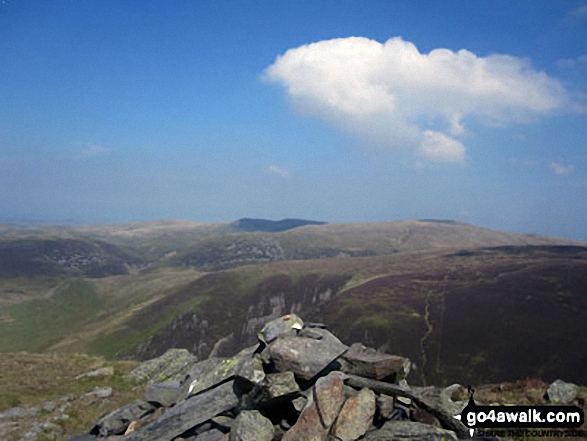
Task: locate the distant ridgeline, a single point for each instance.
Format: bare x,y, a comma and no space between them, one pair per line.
247,224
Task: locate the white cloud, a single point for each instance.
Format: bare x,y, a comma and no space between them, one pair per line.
392,95
571,63
439,147
278,171
561,169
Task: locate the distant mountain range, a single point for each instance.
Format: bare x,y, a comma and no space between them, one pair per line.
465,303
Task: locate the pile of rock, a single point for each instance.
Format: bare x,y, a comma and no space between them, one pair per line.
299,383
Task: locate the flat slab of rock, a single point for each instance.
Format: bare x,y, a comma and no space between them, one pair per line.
274,389
305,356
369,363
250,425
213,371
321,410
116,423
169,366
212,435
288,325
410,430
165,393
355,417
188,414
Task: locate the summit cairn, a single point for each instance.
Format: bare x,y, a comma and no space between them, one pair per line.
298,383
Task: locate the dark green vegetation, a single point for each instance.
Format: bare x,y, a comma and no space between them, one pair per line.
51,257
466,304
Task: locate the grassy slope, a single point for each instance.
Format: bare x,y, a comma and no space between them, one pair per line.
67,317
31,379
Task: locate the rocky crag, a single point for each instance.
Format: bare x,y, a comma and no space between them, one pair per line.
298,383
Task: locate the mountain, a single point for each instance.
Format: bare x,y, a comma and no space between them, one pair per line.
449,296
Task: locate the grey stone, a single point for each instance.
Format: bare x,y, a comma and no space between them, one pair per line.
431,406
166,393
275,388
116,423
49,406
409,430
107,371
446,401
210,435
250,371
250,425
384,406
223,422
212,372
99,392
170,366
306,357
321,410
355,417
369,363
19,412
188,414
299,403
560,392
288,325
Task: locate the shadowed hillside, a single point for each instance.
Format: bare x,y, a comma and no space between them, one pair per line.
449,296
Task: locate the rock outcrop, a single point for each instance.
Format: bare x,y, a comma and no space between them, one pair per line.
298,383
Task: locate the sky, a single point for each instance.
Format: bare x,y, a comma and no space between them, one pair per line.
340,111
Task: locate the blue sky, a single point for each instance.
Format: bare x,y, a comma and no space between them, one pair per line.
114,111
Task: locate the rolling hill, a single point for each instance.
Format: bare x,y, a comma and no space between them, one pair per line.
465,303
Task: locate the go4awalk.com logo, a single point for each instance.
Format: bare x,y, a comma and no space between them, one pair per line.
514,417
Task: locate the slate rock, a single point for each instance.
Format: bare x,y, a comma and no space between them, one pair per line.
321,410
275,388
166,393
369,363
250,425
214,371
355,417
288,325
211,435
170,366
116,423
385,406
249,372
223,422
560,392
188,414
410,430
299,403
306,357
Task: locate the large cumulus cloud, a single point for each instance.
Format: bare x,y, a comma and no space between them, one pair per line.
392,95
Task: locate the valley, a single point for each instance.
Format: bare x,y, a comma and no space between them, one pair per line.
465,304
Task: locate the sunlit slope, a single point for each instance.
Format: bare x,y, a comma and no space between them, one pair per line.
461,315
